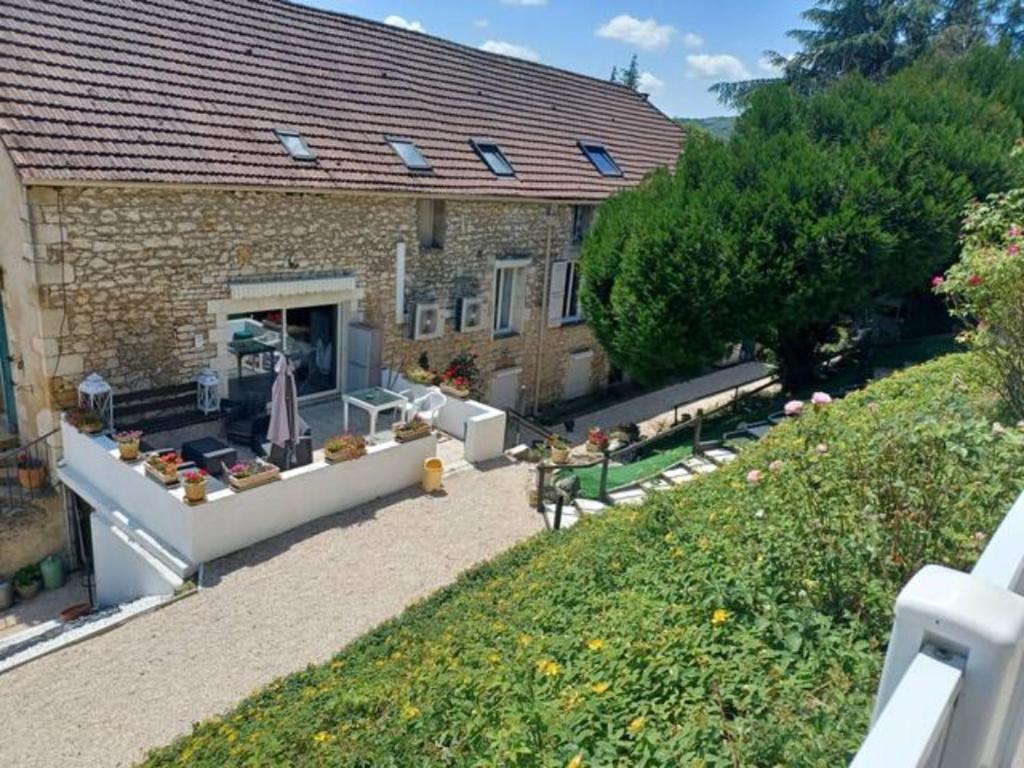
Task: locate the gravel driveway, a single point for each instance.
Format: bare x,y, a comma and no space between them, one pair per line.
267,611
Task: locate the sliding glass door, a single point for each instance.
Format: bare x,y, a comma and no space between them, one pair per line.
308,335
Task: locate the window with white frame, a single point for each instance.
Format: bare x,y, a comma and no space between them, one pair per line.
508,288
564,294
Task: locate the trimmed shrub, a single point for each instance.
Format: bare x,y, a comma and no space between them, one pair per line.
739,620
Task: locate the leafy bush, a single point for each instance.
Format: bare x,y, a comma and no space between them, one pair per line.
987,290
739,620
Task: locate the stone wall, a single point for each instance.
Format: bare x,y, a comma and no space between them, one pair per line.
127,277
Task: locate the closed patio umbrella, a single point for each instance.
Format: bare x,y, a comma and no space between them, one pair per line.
286,426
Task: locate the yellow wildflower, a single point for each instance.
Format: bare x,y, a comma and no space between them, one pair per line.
677,552
548,668
494,657
321,736
600,688
637,724
524,640
720,616
576,762
409,712
670,537
596,644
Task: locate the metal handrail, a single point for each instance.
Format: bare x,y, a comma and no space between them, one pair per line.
24,470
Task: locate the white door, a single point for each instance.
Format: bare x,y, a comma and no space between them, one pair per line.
504,392
577,375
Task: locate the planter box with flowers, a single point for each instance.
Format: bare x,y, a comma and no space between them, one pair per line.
462,376
252,474
88,422
411,430
31,472
345,447
195,486
128,444
163,467
597,440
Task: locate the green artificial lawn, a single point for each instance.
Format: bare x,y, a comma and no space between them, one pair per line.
724,623
676,447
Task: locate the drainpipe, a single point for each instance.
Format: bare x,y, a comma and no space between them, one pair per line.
543,312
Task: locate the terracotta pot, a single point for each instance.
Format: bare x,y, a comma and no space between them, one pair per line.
195,492
129,450
75,611
31,478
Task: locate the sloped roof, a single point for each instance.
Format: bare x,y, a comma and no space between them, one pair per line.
190,92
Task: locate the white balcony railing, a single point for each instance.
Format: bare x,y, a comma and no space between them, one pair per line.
952,690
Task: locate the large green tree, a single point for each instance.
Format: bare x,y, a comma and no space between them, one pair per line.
817,207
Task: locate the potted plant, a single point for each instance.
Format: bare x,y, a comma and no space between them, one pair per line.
163,467
88,422
128,444
462,376
597,440
27,581
410,430
344,448
419,375
195,486
31,472
559,449
6,594
246,475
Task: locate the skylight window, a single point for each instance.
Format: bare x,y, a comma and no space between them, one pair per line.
295,144
601,158
491,154
410,154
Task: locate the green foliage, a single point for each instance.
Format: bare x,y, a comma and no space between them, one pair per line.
720,127
726,623
815,209
987,291
629,76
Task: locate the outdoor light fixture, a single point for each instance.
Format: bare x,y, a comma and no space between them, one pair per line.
96,396
208,391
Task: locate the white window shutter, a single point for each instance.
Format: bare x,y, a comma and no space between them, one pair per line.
556,290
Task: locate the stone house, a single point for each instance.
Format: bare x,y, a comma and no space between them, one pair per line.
177,178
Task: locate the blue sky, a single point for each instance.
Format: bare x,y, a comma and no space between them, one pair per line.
684,46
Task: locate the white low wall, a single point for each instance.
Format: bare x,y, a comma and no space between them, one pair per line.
479,426
230,521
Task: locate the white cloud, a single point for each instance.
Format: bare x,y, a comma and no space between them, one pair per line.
525,2
721,66
403,23
693,40
650,84
647,34
510,49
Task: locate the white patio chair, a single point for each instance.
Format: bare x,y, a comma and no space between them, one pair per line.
426,406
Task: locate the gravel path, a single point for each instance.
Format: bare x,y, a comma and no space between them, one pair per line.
267,611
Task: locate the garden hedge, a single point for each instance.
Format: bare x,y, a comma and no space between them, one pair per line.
738,621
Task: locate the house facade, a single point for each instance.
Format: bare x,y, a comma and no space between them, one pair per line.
184,186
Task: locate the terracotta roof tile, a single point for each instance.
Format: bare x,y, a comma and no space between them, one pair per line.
190,92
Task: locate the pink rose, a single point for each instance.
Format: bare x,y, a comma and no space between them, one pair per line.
937,281
793,408
821,398
754,476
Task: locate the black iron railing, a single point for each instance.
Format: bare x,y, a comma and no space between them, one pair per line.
25,472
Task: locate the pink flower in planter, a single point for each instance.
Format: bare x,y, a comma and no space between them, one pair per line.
937,281
821,398
776,466
793,408
755,476
822,448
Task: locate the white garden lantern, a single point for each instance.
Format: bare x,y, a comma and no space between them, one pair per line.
96,396
208,391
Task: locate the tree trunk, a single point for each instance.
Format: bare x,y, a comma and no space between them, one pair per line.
798,360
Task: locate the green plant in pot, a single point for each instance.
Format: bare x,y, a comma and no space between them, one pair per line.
28,580
344,448
89,422
559,449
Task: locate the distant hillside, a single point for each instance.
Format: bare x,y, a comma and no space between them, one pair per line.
722,127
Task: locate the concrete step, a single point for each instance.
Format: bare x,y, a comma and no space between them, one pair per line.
590,507
699,466
657,484
632,495
570,515
720,456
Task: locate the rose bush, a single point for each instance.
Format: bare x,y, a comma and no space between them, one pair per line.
986,290
724,623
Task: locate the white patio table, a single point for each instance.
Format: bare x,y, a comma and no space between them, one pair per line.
374,401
